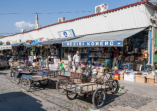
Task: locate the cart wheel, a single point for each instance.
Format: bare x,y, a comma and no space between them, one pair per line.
99,98
71,95
115,86
25,83
44,83
61,87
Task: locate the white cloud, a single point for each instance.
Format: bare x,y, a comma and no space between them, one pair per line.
23,24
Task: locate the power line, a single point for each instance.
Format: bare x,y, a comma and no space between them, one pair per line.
12,13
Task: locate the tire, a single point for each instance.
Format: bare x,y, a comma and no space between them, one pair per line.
25,83
115,86
71,95
44,83
99,97
61,87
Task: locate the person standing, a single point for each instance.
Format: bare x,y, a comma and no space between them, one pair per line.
70,60
115,59
76,61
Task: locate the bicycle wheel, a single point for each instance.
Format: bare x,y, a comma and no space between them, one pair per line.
115,86
71,95
44,83
25,83
61,87
99,98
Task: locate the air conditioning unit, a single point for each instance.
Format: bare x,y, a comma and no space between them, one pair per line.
101,8
61,19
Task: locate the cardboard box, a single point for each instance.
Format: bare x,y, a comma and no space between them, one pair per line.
100,73
151,81
121,77
150,76
129,77
140,79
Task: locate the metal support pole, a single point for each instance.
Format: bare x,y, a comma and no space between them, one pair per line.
150,46
110,58
88,53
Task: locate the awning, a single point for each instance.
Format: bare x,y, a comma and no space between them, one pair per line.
106,39
59,41
17,44
31,45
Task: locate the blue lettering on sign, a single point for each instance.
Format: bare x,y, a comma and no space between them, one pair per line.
93,43
65,34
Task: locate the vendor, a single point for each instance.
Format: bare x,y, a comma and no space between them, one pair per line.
115,59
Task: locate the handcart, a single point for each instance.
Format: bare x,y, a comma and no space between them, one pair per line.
42,77
97,87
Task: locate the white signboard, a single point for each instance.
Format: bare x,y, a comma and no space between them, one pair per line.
66,33
6,47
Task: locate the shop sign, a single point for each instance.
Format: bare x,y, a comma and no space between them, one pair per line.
66,33
93,44
6,47
15,41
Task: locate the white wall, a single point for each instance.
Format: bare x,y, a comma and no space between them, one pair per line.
127,18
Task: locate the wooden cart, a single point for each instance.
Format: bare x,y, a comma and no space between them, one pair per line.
97,87
30,79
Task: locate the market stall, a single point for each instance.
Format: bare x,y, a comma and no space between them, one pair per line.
132,44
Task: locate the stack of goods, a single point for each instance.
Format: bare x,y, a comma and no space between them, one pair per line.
116,73
150,78
132,58
129,75
128,66
141,77
55,65
121,73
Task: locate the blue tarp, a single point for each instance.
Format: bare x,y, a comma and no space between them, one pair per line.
34,43
31,45
17,44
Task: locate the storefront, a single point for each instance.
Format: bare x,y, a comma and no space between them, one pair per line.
98,48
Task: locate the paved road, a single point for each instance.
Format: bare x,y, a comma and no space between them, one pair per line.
134,97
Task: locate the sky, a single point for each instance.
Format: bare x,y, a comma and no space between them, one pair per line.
18,14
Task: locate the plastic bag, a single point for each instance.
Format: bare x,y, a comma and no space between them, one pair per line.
61,67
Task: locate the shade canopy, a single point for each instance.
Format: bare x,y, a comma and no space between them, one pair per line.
105,39
59,41
17,44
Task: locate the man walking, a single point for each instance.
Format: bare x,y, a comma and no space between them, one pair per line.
76,61
70,61
116,54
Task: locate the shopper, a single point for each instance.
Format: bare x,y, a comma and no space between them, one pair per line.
76,62
70,59
115,59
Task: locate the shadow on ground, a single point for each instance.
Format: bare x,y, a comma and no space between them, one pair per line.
19,101
109,98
